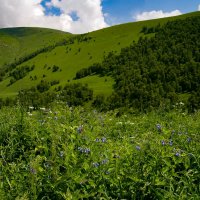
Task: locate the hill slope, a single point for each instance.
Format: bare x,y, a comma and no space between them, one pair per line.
17,42
79,52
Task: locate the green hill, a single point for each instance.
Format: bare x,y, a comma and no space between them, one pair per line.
17,42
77,52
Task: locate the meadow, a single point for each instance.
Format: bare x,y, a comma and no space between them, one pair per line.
67,152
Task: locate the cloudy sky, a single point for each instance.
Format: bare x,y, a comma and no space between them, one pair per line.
80,16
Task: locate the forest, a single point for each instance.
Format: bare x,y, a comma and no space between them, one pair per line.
155,71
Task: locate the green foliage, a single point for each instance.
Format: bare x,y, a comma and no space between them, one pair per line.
20,73
154,71
76,94
71,153
72,94
55,68
43,86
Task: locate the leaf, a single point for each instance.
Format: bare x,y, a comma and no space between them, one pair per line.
86,166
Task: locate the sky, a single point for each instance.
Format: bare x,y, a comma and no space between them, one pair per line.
81,16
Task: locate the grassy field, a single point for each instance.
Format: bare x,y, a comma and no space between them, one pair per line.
69,58
17,42
71,153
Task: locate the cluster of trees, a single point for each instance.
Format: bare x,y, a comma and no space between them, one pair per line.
76,94
96,68
83,38
55,68
155,71
7,101
20,73
72,94
148,30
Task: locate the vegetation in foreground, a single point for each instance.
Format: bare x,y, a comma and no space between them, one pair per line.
72,153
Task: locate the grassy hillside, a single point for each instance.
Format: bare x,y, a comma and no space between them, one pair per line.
71,57
16,42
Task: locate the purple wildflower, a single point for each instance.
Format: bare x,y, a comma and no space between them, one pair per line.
103,139
177,154
33,171
104,161
96,164
86,150
163,142
97,140
138,148
159,127
80,129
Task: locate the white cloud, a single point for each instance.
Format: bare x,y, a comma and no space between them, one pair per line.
30,13
199,7
155,14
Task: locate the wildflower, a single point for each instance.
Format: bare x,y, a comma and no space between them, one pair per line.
80,129
138,148
41,121
159,127
170,142
31,107
84,150
163,142
104,161
189,139
30,114
80,149
97,140
96,164
33,171
177,154
47,165
103,139
87,150
61,154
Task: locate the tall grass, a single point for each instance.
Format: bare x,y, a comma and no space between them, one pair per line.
72,153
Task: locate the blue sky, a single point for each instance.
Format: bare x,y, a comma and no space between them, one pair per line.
82,16
123,10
